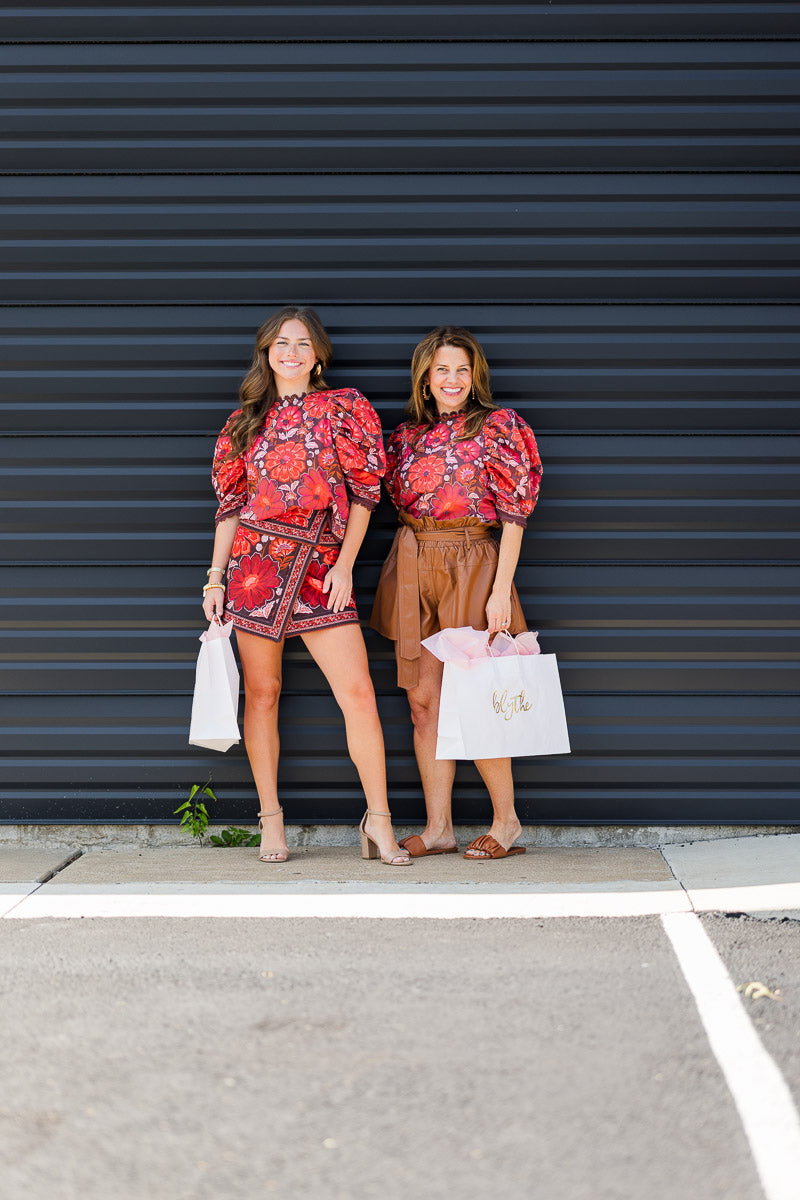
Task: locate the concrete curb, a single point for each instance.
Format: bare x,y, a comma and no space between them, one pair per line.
755,875
123,836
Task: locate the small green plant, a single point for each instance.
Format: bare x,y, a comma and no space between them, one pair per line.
233,836
195,813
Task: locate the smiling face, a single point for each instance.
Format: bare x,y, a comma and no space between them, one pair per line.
292,358
450,378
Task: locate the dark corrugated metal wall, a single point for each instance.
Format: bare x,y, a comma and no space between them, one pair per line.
603,192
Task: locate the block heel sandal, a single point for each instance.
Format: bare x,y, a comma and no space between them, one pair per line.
272,856
369,848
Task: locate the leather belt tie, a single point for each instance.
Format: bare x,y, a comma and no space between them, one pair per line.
408,601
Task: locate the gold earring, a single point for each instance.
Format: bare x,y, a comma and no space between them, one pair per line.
425,393
317,370
473,391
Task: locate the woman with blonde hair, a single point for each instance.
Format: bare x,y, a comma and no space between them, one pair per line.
459,466
297,473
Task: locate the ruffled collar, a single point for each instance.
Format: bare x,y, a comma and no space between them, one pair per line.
452,416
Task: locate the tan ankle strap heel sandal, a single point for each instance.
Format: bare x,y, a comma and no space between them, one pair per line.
272,856
369,847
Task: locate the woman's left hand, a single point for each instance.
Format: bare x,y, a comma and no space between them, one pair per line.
339,582
498,610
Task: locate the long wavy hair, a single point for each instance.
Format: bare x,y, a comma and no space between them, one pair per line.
421,408
258,392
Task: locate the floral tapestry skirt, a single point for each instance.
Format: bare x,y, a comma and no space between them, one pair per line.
275,576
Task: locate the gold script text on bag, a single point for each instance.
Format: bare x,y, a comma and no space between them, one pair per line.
509,705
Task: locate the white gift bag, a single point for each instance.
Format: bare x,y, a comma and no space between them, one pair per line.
216,691
505,707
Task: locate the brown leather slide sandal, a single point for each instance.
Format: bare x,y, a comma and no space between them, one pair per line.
491,849
417,848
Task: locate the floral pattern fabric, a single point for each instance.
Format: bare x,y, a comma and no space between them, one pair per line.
320,451
494,476
276,574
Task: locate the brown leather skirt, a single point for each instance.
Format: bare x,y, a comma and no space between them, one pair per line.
438,575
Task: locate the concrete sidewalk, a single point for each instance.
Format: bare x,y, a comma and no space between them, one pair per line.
754,875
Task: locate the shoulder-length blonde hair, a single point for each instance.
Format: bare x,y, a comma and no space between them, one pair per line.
258,392
421,408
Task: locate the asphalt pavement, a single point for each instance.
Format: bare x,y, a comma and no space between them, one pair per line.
386,1056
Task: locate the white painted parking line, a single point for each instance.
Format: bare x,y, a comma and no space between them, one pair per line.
12,893
769,899
762,1098
744,874
305,900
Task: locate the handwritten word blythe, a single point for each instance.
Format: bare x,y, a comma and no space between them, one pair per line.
509,706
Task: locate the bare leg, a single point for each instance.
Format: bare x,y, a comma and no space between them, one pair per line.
436,775
341,655
262,669
506,828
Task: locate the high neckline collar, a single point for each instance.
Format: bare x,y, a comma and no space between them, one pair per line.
292,399
451,416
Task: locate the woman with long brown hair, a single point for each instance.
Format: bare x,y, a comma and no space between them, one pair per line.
459,466
297,473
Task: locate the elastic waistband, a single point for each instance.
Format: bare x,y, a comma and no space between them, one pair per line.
429,530
464,533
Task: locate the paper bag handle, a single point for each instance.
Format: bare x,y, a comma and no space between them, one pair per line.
503,633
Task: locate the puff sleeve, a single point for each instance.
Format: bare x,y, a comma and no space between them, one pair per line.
358,440
513,466
394,450
229,477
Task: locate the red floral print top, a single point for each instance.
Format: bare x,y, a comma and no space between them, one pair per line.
321,450
494,476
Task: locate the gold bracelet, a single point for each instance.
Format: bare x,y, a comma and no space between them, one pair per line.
210,569
209,587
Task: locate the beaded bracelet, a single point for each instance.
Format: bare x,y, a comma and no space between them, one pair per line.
210,569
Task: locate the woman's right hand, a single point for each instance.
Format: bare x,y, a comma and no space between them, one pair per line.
214,604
